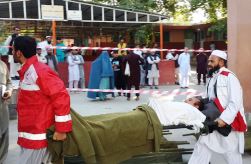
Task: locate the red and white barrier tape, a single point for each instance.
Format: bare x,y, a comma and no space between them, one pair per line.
176,92
115,48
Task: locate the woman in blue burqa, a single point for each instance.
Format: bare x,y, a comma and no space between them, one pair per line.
101,77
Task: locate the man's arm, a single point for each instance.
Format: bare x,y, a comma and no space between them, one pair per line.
52,86
234,100
9,86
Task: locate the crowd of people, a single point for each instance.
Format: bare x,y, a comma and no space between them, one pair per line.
147,74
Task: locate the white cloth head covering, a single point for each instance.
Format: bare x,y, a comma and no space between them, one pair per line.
48,36
219,53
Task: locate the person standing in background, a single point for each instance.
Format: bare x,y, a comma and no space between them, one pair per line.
139,52
60,52
122,44
41,58
101,77
171,56
145,54
14,67
153,70
119,78
81,70
185,68
51,59
73,68
133,62
201,66
5,93
45,44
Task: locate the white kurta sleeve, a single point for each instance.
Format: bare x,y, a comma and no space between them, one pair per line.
7,41
150,61
234,100
157,60
169,56
180,59
81,59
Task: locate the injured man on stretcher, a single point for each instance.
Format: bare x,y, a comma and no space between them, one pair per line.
196,111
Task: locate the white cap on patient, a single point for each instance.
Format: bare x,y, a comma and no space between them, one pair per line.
219,53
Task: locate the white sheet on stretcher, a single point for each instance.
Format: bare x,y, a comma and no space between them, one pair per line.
174,113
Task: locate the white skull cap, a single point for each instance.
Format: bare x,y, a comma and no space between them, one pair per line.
219,53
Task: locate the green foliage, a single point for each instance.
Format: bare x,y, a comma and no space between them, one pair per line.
215,9
179,11
144,34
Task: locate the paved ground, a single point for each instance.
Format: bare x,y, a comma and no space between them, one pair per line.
84,106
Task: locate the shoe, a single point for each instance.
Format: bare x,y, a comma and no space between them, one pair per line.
177,83
198,84
137,98
156,87
151,87
186,87
128,98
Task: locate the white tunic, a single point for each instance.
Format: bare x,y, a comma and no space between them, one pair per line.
154,72
43,45
184,62
229,93
73,68
14,67
41,59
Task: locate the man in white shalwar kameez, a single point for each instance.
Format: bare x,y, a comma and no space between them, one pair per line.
185,68
73,68
225,90
14,67
44,45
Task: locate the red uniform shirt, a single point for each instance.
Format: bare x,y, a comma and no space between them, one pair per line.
42,101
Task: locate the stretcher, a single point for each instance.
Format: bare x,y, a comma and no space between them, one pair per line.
170,151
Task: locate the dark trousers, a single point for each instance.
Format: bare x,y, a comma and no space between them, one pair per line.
129,87
119,80
199,77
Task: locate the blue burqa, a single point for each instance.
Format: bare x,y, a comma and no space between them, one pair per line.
101,69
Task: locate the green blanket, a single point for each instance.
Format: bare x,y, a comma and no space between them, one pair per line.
110,138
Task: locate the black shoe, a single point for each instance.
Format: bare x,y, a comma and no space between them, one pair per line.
156,87
128,98
151,87
177,83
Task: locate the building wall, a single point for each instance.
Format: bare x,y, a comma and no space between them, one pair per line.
239,49
176,35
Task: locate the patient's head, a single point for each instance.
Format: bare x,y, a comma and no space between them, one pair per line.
195,101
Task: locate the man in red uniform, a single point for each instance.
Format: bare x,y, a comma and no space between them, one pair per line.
43,101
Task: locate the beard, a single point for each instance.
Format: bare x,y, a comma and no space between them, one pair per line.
212,70
49,42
